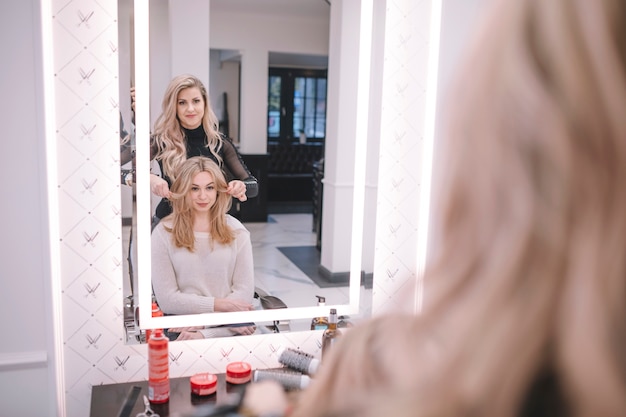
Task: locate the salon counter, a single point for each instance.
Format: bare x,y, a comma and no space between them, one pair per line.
111,400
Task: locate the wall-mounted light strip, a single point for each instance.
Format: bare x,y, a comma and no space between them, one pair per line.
142,135
56,364
361,131
427,148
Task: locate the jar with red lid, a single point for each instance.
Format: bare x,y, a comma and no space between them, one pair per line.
238,373
203,384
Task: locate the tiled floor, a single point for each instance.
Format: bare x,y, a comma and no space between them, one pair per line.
276,275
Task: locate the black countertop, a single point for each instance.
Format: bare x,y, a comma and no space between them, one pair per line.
111,400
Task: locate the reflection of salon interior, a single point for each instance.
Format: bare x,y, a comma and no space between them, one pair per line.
305,173
314,174
65,251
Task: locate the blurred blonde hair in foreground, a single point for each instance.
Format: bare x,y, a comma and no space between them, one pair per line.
525,299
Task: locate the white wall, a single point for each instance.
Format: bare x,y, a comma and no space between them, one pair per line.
458,20
24,272
225,79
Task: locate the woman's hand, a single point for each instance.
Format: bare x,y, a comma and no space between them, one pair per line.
189,335
243,330
185,329
237,189
158,186
228,305
266,398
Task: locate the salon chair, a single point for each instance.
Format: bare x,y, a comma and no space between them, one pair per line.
270,302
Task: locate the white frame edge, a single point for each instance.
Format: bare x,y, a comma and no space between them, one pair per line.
57,363
430,121
142,129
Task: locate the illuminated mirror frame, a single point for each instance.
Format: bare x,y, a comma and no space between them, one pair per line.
142,129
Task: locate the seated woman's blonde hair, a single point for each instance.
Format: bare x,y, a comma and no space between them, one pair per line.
182,217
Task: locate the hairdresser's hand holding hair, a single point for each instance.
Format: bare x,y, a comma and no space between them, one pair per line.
188,127
159,187
237,189
201,256
525,298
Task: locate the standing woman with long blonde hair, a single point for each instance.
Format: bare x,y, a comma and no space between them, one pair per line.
525,300
188,127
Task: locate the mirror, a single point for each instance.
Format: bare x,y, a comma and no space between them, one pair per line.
144,96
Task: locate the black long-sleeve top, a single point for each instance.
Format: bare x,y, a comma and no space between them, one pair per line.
233,166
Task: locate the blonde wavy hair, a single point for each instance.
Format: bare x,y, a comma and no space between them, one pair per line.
168,134
529,276
182,216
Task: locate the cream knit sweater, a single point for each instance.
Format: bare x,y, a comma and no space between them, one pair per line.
187,282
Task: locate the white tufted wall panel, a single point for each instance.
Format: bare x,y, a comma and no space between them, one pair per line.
400,179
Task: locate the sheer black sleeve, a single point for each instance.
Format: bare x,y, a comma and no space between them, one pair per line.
237,168
126,151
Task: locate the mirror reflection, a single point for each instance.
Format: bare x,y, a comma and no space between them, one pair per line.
286,243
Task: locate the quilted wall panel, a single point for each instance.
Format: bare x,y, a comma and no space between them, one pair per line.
400,182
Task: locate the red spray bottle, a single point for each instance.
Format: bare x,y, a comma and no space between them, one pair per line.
158,368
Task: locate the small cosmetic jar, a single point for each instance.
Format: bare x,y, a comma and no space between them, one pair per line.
238,373
203,384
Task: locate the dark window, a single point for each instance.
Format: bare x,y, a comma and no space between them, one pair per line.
296,103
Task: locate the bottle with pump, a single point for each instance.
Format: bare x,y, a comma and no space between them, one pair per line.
331,334
158,368
320,323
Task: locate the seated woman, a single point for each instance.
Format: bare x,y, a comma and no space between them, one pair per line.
201,256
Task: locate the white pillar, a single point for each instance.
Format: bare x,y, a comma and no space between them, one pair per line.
253,103
340,136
